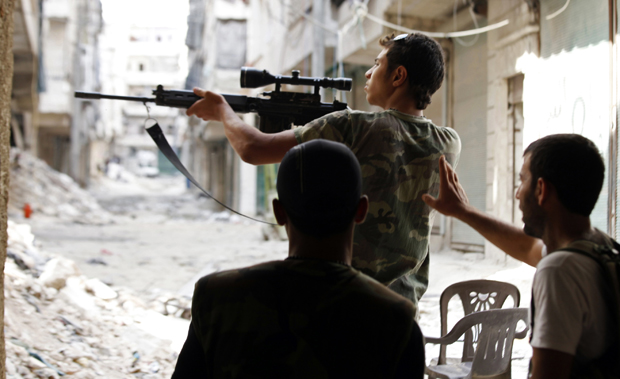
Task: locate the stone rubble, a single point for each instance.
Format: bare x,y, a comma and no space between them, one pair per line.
60,323
49,192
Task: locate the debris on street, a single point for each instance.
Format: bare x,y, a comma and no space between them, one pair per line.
35,188
59,322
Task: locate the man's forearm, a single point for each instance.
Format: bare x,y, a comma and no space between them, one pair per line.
241,136
507,237
254,146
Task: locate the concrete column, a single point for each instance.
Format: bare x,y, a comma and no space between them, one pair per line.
6,81
318,47
504,48
76,119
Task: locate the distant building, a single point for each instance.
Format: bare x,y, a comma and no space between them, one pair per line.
139,56
55,53
216,38
26,62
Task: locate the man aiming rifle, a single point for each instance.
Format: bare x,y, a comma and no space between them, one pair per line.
397,148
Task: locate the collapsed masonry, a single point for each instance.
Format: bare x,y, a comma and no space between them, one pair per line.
49,192
58,322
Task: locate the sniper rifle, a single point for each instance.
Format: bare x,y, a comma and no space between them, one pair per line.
278,110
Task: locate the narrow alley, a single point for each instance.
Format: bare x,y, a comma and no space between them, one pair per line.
149,243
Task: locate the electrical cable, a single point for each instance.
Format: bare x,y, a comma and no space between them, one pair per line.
464,33
556,13
473,16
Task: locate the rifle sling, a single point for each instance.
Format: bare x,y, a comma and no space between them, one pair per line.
162,143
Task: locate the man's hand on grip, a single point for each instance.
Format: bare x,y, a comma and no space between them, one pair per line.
209,108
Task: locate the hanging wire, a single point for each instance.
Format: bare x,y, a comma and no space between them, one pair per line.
473,16
556,13
464,33
361,12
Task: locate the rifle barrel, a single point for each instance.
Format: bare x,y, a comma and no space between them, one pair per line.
97,96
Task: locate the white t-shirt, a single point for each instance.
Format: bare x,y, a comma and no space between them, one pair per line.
571,314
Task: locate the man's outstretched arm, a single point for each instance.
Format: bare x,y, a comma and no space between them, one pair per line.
252,145
452,201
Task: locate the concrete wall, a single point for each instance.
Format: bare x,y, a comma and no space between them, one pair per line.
505,46
6,78
468,67
70,58
219,45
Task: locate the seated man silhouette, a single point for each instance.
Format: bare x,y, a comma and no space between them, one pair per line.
310,315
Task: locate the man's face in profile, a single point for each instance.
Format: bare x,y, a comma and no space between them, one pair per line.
533,215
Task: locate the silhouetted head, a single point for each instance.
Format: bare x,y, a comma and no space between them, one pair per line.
319,186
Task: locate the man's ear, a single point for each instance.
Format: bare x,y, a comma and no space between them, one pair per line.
362,210
399,76
543,191
279,212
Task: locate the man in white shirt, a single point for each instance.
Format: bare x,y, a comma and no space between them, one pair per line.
561,178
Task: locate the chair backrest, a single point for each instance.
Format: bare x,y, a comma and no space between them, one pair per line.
494,348
476,296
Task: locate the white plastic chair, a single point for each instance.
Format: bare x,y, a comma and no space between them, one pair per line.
493,351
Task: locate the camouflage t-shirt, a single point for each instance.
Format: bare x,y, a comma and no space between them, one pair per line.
303,319
399,156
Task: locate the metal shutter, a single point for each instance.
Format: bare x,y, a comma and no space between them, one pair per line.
470,121
572,80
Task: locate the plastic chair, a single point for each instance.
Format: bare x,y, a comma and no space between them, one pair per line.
476,296
494,348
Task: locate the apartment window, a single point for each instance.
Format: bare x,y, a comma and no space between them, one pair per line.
231,43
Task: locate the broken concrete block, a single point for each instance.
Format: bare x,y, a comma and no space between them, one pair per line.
11,370
57,271
34,364
46,373
100,289
75,293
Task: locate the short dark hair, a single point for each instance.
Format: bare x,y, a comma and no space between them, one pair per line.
319,186
573,164
423,59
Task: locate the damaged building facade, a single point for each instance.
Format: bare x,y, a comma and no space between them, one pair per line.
525,69
217,41
55,49
63,46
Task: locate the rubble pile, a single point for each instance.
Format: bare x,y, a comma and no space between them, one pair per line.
49,192
60,323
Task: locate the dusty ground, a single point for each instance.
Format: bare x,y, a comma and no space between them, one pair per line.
165,238
161,238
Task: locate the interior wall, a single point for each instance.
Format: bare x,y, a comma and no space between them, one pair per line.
506,46
470,122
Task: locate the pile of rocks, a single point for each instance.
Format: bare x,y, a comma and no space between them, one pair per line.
49,192
58,322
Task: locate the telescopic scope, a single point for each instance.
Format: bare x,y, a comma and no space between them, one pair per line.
255,78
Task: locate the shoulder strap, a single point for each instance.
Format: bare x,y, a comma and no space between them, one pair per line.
162,143
608,258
